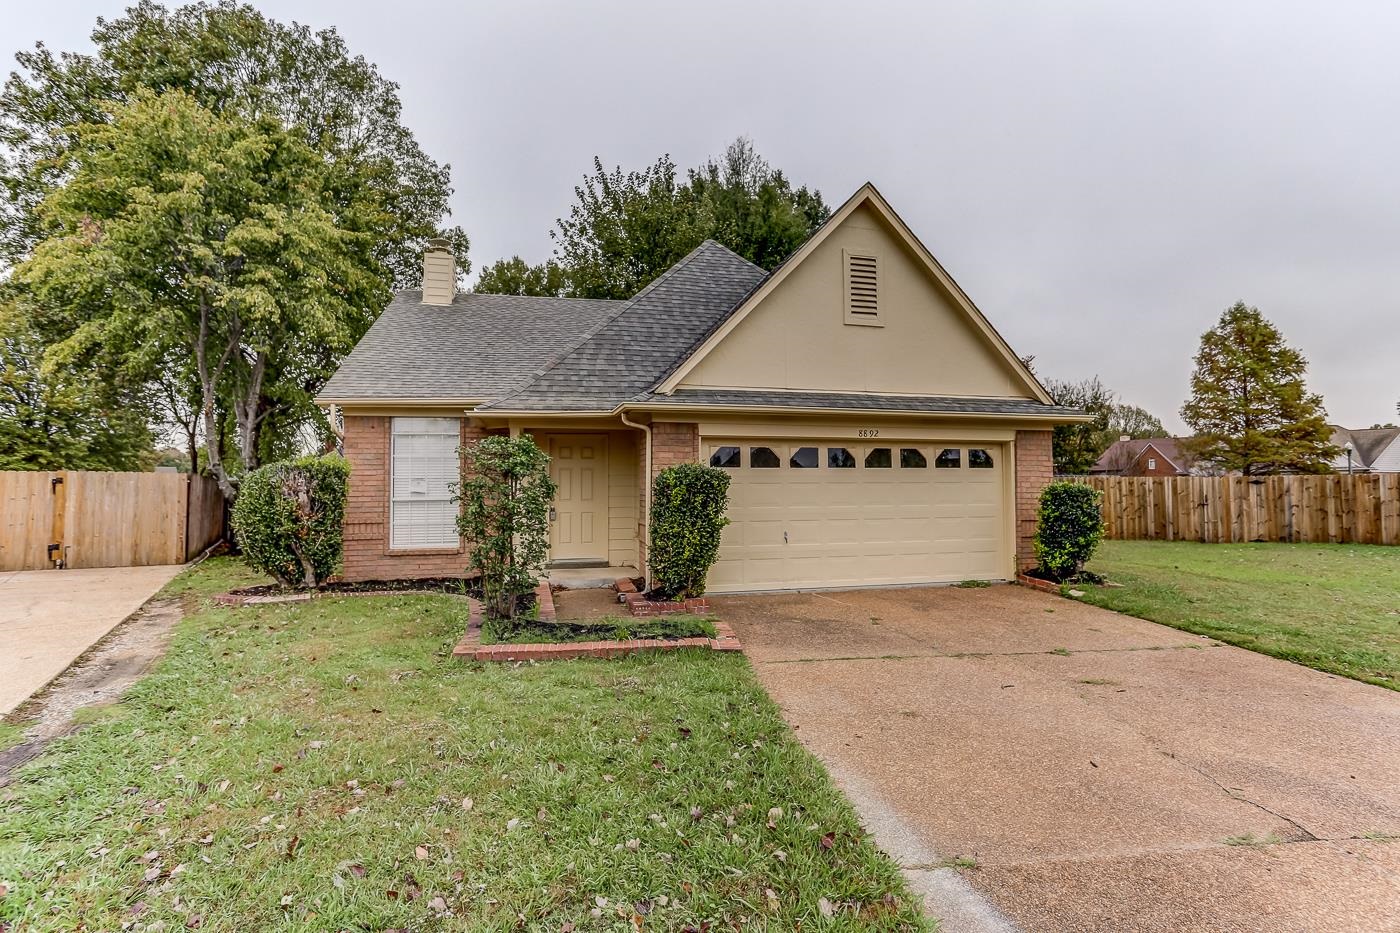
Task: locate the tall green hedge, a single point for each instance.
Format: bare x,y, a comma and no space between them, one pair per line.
288,518
687,515
1069,527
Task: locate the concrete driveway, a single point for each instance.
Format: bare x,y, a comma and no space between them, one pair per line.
48,618
1102,772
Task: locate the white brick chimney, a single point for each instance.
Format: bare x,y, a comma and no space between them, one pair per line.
439,273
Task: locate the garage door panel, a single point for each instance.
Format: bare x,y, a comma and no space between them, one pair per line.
860,525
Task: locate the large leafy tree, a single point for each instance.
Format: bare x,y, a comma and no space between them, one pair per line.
514,276
371,177
230,57
1076,447
1249,406
52,418
205,236
627,227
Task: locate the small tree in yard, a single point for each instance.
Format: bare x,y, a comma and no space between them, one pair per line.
687,515
1069,527
288,519
505,495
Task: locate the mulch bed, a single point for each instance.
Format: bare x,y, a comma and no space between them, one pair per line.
469,587
470,647
445,584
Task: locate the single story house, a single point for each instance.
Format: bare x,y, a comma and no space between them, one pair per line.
1373,450
1147,456
877,428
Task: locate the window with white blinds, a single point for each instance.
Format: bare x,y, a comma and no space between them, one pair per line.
423,463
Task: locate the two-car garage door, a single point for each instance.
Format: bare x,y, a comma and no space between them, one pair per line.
833,513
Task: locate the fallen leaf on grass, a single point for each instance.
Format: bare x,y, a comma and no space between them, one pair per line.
421,853
467,803
826,907
828,840
438,905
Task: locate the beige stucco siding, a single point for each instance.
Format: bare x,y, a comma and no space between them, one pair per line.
797,337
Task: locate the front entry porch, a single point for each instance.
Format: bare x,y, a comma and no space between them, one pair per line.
586,578
594,522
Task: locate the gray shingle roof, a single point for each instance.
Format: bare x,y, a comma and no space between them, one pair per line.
478,347
1368,443
760,398
565,354
630,352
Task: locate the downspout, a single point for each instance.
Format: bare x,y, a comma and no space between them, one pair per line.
646,500
329,412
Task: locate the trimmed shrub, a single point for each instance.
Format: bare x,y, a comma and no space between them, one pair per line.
687,515
289,518
1069,527
505,496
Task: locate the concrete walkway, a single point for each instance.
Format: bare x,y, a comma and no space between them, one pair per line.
1102,773
48,618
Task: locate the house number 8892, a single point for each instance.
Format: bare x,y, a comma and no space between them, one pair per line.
868,432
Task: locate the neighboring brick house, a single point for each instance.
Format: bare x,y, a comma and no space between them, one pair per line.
1149,456
878,429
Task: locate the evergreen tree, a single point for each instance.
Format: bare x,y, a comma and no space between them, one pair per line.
1249,407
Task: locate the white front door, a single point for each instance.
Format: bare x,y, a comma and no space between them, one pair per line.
578,466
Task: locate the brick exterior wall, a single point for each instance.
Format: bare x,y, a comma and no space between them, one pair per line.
367,553
672,442
1034,469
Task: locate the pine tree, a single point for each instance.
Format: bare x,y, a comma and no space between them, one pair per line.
1249,408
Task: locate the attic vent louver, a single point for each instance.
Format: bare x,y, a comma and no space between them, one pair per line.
862,288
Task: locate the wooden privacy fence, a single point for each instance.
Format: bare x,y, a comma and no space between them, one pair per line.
93,519
1363,508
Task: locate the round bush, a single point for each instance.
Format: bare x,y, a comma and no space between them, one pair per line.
288,518
1069,527
687,515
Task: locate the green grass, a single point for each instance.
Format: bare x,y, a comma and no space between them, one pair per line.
534,631
11,734
328,765
1333,607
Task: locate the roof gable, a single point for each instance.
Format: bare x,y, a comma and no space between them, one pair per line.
791,332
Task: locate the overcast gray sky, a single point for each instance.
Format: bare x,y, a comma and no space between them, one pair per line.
1103,178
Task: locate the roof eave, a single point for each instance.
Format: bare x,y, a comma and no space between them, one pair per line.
703,409
436,402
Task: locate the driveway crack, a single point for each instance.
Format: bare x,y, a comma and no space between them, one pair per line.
1307,834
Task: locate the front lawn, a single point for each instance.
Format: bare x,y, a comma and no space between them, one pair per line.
328,765
1334,607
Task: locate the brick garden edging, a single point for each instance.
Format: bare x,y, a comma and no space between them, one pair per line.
639,605
1036,583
